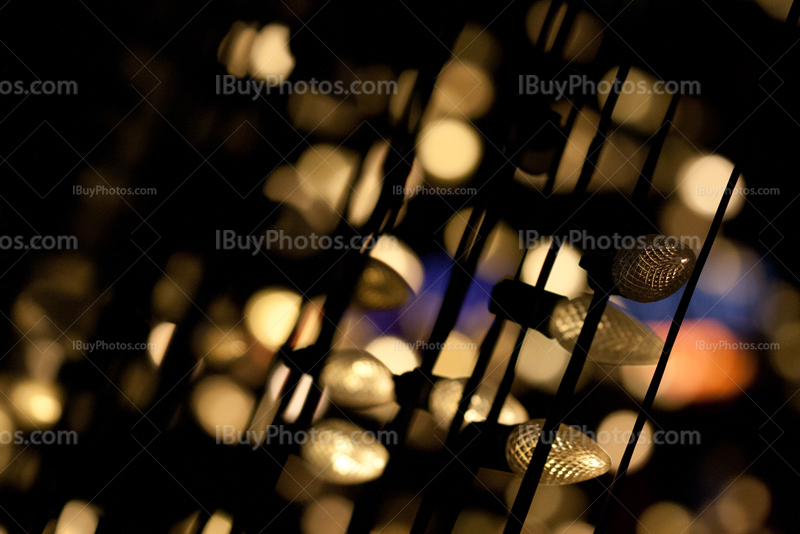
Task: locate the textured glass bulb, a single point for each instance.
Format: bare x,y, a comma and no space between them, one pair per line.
654,269
619,340
574,456
343,453
357,380
443,403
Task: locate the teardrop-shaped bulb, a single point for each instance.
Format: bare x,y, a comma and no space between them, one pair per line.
341,452
357,380
574,456
446,394
654,269
619,340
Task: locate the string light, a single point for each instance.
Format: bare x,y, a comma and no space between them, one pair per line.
343,453
574,457
653,270
620,340
357,380
446,394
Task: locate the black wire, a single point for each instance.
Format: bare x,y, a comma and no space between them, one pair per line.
652,390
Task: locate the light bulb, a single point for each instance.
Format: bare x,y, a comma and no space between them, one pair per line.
654,269
619,340
357,380
446,394
574,456
392,273
343,453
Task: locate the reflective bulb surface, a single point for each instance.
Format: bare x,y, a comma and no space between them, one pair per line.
655,268
619,340
446,394
357,380
343,453
574,456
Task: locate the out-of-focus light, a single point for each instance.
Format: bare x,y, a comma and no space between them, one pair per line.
43,359
478,45
357,380
457,358
222,344
38,404
664,518
393,270
463,88
218,523
500,255
706,365
343,453
295,406
551,504
323,115
158,341
784,358
567,277
395,354
702,180
735,274
478,521
613,435
618,166
619,340
574,456
744,505
296,483
234,50
777,9
326,172
270,57
449,149
368,189
446,394
405,90
220,403
78,517
639,106
316,188
583,39
271,314
655,269
172,294
781,306
542,361
573,527
327,515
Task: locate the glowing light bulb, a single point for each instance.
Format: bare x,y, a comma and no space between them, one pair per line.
357,380
38,403
270,315
270,57
343,453
574,457
392,273
446,394
654,269
450,149
619,340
